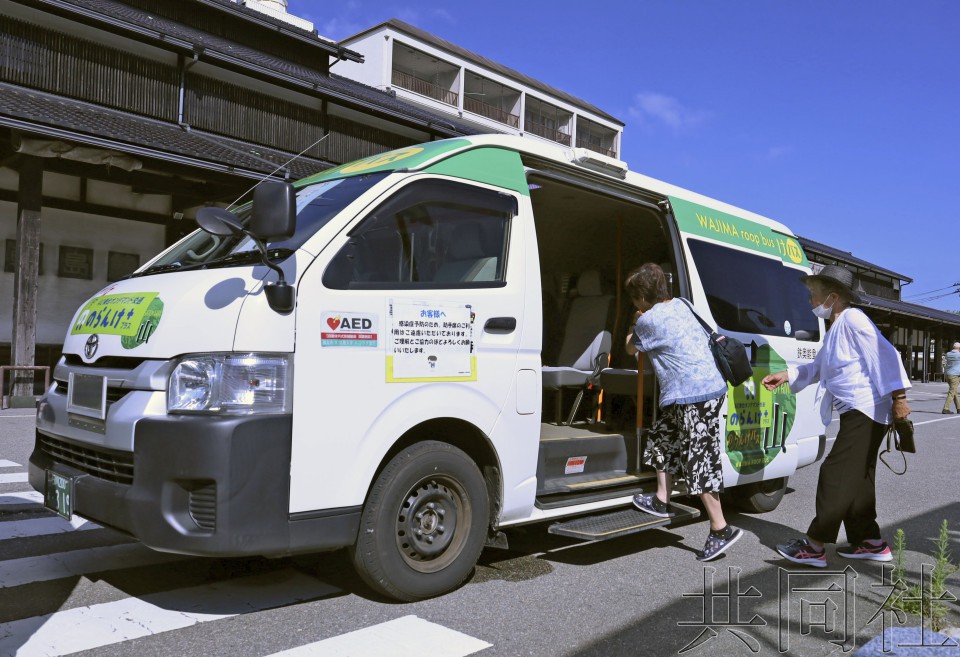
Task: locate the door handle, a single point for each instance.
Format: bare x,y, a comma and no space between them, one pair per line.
500,325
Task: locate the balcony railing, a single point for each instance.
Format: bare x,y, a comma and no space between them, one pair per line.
547,133
596,148
878,290
490,111
424,88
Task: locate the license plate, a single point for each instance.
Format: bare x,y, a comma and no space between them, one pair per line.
87,395
59,494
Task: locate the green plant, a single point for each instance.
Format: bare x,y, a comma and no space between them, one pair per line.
943,567
914,599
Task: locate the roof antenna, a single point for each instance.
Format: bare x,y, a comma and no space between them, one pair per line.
277,169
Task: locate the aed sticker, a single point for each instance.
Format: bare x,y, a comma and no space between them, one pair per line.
575,465
132,316
347,329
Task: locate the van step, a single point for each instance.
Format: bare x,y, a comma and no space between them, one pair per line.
573,459
597,480
619,523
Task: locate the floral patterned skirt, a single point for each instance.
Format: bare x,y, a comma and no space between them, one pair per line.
685,440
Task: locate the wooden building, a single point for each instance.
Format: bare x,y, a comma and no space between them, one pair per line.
919,333
119,119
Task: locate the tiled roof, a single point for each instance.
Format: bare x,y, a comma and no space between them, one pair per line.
308,80
55,116
238,8
909,309
846,256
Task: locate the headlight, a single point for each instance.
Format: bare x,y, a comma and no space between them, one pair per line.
236,384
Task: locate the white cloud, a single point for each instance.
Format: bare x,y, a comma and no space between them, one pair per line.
445,15
347,21
776,153
651,107
340,21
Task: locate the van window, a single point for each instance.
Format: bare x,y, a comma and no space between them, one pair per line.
431,234
754,294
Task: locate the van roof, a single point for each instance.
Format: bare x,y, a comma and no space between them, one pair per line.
420,156
568,155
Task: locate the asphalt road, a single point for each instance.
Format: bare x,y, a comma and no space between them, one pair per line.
87,590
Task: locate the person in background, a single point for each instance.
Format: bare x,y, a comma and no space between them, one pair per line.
686,436
860,374
952,373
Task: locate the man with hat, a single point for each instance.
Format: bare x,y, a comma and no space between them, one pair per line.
859,374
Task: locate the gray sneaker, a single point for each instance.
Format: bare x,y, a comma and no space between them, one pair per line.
650,503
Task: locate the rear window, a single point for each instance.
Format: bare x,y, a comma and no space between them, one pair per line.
754,294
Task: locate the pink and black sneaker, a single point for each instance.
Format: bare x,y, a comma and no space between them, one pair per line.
801,551
866,550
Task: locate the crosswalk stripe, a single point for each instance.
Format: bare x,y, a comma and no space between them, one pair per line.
26,570
19,498
15,478
84,628
402,637
42,527
8,464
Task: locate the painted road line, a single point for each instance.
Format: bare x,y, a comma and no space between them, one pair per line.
15,478
939,419
85,628
16,572
25,497
397,638
8,464
43,527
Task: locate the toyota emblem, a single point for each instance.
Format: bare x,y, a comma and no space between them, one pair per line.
90,348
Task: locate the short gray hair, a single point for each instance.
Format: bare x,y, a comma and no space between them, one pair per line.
956,345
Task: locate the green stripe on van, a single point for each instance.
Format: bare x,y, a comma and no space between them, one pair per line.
708,222
493,166
401,158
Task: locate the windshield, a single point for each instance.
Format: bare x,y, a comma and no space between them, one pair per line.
316,206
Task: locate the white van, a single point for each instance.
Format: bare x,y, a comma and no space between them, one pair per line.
409,353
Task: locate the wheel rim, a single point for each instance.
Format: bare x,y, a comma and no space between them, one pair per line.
431,523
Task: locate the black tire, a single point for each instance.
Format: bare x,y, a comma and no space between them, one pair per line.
424,523
761,497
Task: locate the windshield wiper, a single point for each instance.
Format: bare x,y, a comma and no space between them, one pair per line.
241,258
156,269
244,257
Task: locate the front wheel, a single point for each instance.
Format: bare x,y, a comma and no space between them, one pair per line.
424,524
760,497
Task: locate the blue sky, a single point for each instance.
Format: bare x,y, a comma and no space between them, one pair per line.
839,118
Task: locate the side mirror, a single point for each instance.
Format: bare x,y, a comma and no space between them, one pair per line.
274,215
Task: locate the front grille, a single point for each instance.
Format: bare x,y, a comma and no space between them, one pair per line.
112,362
102,463
113,394
203,505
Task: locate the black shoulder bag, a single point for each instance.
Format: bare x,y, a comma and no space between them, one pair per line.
729,353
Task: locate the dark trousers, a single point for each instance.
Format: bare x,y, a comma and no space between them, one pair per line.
846,490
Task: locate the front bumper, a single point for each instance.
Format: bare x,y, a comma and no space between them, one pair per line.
199,485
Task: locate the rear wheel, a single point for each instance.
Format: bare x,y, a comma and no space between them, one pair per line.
424,524
760,497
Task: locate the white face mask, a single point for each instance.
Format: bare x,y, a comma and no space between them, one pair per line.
823,311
